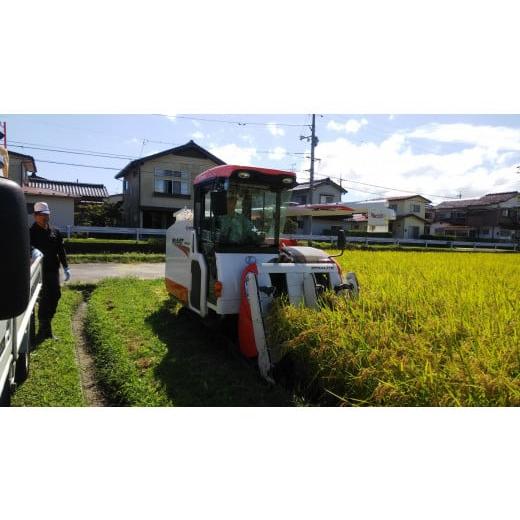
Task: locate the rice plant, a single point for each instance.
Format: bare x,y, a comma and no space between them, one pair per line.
429,329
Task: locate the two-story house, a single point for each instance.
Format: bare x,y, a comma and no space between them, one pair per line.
410,214
492,216
20,165
156,186
326,191
496,215
450,219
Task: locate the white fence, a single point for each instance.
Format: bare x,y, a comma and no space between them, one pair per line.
410,242
141,232
137,232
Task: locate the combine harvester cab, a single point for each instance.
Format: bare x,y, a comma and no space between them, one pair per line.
225,258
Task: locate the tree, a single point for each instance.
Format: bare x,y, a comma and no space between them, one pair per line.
105,214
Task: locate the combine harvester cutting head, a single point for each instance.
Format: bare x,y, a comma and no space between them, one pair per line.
225,258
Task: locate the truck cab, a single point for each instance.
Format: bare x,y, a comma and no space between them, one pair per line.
20,284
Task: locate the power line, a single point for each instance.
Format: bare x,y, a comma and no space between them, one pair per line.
109,155
82,165
73,152
239,123
323,176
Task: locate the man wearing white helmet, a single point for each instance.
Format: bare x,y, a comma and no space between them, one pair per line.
50,242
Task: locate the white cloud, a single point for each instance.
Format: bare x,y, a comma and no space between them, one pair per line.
247,138
233,154
491,137
277,153
275,130
198,135
351,126
485,166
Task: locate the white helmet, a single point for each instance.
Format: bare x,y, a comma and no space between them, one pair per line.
42,207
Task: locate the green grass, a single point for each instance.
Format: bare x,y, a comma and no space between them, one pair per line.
124,258
151,353
54,378
428,329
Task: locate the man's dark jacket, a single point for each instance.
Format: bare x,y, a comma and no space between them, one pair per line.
50,242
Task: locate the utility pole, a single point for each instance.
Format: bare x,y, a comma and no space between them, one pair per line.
314,142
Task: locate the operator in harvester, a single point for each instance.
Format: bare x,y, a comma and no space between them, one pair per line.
50,242
235,227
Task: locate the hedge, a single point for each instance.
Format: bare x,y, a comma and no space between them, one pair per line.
95,246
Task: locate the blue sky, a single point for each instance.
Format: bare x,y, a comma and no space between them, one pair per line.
439,156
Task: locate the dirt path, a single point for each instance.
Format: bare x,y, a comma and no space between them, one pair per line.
93,395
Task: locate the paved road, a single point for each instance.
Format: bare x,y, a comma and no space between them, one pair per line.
90,273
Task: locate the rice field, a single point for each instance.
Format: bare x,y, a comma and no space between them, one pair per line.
429,329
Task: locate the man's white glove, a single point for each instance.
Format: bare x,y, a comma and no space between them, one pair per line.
67,274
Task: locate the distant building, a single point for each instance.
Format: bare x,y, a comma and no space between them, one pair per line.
326,192
156,186
63,197
492,216
410,215
82,192
20,165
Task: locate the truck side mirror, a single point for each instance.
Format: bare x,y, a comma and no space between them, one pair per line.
15,266
342,241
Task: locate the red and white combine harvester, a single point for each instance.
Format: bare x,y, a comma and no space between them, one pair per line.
225,258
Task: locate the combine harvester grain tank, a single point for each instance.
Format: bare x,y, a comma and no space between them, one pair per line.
225,259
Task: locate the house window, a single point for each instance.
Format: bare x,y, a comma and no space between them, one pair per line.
393,206
415,208
505,213
125,186
171,182
326,199
30,208
484,231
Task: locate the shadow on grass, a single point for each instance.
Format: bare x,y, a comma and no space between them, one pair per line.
200,369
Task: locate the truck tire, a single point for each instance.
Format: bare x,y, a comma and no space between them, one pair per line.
5,396
22,368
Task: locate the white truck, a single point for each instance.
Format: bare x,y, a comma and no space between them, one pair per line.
20,284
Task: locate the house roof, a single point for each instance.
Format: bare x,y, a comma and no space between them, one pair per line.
489,198
73,189
401,217
323,210
190,149
495,198
30,190
409,197
306,185
455,204
28,160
